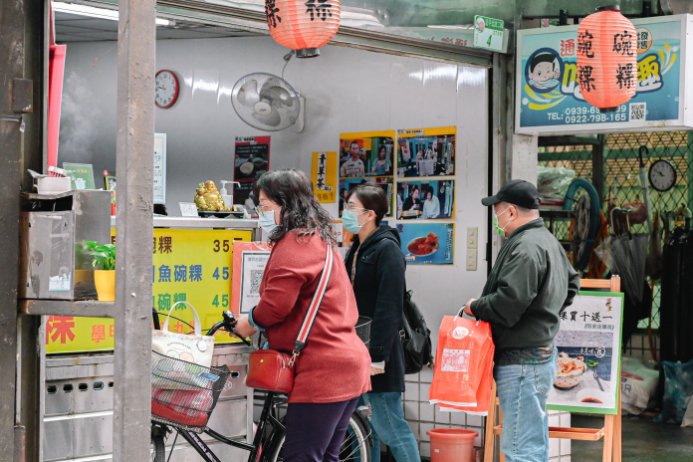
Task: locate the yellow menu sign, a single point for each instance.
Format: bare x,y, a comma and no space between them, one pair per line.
195,265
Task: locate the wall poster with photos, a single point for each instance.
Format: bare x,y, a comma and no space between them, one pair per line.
366,158
416,169
424,152
366,154
425,200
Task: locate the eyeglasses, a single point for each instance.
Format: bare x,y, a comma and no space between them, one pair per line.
260,209
354,208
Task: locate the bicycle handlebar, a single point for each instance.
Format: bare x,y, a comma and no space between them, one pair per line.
229,325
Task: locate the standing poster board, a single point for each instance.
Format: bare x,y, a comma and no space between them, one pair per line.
589,355
249,262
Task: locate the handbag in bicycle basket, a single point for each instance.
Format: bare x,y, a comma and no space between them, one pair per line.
183,404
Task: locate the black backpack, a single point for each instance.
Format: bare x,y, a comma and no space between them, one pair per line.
415,337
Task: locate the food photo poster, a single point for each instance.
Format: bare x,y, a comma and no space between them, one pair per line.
588,343
427,243
251,158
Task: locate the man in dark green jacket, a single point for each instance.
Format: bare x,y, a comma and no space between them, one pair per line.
530,284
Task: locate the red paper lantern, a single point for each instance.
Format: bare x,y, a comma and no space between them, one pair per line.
303,25
607,53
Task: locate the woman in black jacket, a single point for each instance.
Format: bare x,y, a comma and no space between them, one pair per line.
375,264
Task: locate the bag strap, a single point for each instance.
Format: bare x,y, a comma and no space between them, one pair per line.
314,306
198,323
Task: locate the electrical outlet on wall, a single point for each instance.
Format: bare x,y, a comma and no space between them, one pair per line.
471,259
472,238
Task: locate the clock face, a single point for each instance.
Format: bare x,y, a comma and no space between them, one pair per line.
166,89
662,175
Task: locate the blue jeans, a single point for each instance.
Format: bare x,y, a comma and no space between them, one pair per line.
389,426
522,391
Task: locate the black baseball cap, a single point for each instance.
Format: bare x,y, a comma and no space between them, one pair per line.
516,192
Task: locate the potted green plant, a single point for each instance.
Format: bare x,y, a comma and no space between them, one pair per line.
103,260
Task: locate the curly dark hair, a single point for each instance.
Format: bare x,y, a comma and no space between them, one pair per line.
291,189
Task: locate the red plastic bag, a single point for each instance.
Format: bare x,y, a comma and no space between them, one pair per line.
184,407
463,372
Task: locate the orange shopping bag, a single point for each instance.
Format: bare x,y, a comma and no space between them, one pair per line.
483,394
464,364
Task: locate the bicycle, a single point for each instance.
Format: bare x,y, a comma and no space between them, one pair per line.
270,433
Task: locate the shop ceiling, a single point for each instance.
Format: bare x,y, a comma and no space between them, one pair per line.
404,27
201,18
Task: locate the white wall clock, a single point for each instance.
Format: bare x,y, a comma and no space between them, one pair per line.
167,88
662,175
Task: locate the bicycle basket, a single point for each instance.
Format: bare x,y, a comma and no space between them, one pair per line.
363,329
184,402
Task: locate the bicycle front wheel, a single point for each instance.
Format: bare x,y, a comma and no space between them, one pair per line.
356,446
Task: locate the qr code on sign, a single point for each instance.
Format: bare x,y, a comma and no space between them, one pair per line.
638,111
255,280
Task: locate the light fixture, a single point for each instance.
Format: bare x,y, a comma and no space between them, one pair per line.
303,26
607,53
93,12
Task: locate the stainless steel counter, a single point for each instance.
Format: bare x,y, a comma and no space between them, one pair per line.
78,421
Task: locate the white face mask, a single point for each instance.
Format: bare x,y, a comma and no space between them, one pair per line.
266,221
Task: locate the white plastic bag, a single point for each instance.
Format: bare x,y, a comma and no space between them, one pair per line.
638,384
553,182
196,349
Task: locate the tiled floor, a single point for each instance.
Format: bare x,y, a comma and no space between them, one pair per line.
643,441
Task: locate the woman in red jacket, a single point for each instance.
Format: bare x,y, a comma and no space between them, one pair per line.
333,370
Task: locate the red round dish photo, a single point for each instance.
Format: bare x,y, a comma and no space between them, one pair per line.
423,246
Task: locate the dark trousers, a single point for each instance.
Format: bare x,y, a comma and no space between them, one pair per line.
315,432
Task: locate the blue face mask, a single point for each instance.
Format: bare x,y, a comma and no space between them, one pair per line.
267,221
351,221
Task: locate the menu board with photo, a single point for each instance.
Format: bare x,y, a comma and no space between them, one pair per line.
589,347
252,158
